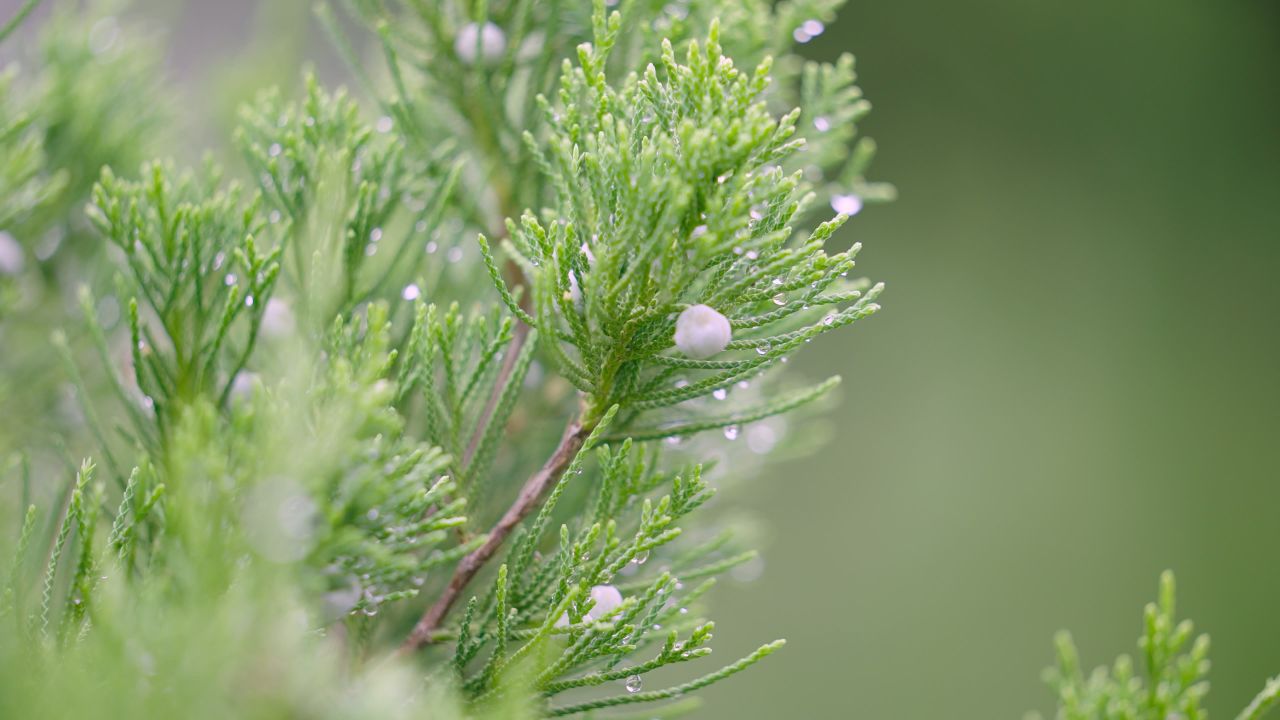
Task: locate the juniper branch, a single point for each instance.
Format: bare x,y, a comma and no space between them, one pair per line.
572,441
1265,701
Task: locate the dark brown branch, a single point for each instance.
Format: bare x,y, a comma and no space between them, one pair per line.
530,496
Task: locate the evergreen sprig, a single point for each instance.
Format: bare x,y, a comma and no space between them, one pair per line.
1169,682
331,438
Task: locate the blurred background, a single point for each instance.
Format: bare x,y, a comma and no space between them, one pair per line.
1075,383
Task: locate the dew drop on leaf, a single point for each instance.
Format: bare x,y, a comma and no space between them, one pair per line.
634,683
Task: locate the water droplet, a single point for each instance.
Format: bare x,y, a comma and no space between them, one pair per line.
411,292
731,432
846,204
375,235
779,299
274,217
684,611
634,683
419,582
743,384
370,611
641,557
720,394
372,514
454,255
829,319
432,247
275,150
821,124
674,440
230,279
103,35
384,124
763,349
813,28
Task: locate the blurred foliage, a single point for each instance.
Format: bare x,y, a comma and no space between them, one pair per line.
303,410
1074,159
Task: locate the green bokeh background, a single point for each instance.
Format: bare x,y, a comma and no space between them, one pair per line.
1074,383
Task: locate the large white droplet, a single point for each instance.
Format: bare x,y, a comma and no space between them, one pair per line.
490,38
846,204
607,599
277,319
12,257
701,332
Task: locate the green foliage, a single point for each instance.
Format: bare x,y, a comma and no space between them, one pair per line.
88,94
24,186
194,268
1171,682
342,188
99,101
670,195
322,413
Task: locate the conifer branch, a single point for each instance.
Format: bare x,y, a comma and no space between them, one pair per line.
572,442
1265,701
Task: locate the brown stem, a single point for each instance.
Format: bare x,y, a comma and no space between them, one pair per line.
575,434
